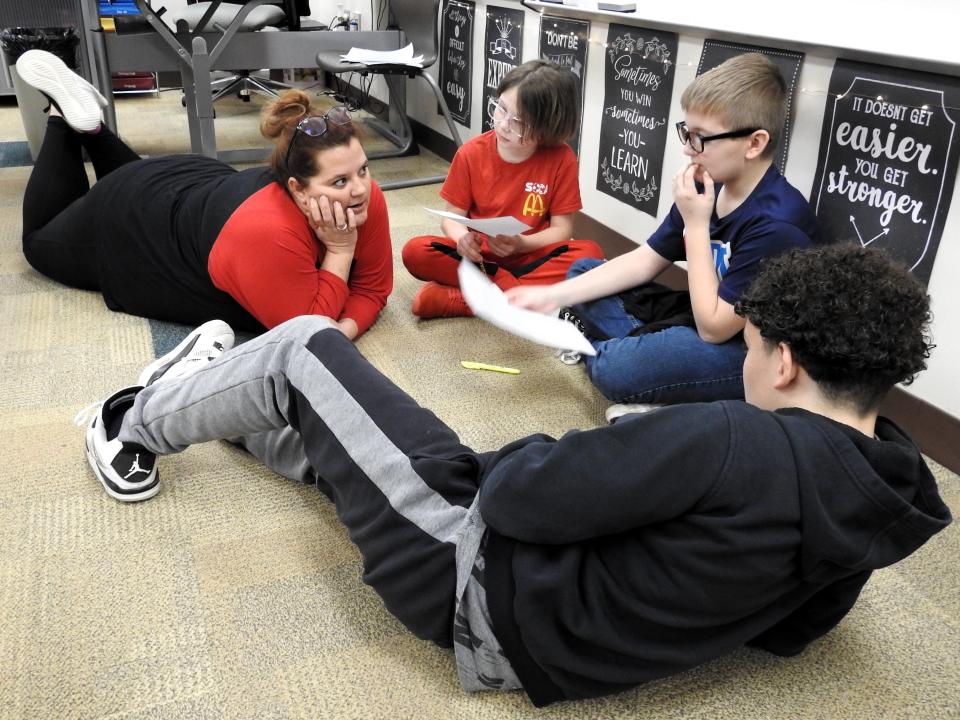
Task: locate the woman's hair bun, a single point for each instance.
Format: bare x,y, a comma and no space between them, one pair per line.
284,112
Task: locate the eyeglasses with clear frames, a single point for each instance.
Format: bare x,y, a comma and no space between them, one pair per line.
697,140
498,114
317,125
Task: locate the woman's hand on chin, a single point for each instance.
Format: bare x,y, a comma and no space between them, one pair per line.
335,228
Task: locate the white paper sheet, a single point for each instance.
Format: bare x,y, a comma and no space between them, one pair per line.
506,225
403,56
488,302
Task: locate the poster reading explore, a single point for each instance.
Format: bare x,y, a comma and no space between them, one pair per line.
502,52
888,160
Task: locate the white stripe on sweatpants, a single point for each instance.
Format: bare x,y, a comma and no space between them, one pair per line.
243,392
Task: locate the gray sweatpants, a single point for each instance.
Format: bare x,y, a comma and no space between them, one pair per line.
303,400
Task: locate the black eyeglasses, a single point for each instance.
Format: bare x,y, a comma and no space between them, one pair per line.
697,140
316,125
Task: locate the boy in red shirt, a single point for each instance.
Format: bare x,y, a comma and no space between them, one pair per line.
522,168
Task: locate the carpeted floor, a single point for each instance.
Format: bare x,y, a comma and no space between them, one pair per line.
236,594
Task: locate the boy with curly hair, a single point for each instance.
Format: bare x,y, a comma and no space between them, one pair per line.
584,565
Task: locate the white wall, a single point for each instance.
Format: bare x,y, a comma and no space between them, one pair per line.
938,385
323,10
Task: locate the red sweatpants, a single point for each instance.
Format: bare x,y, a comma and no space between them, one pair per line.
434,257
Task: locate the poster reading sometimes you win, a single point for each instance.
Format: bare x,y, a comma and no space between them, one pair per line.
888,160
638,81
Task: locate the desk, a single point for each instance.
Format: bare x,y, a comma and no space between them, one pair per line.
195,55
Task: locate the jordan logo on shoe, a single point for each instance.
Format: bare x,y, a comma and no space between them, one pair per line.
135,467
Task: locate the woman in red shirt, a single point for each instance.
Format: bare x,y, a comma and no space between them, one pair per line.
187,238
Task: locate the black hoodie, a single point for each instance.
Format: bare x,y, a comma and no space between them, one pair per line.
631,552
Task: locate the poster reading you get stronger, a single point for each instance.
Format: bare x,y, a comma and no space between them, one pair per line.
888,160
638,81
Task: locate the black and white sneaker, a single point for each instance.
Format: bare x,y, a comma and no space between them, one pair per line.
570,357
77,100
567,314
127,471
202,346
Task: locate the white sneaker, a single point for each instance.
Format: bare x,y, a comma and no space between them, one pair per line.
615,412
127,472
202,346
568,357
77,100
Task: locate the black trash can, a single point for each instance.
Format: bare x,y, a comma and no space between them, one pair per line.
61,41
14,42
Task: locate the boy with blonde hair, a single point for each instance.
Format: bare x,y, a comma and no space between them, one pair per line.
732,208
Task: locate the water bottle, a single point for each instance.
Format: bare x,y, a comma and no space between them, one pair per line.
354,22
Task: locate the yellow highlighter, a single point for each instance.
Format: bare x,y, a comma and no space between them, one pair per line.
470,365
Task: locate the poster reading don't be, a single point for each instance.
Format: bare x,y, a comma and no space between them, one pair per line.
888,160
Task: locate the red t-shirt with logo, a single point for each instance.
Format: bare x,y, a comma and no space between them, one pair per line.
485,185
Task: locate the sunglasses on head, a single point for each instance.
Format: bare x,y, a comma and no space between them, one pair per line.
316,125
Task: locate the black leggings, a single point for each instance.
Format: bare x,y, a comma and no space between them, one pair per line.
54,211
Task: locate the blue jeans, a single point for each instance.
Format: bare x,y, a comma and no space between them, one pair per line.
669,366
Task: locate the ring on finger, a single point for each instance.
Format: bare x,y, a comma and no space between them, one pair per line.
343,227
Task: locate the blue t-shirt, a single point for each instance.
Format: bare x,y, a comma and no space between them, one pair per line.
774,218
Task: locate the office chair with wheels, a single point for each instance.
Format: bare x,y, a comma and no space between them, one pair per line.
297,12
272,16
419,23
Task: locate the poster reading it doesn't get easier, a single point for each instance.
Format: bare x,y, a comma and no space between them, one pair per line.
888,160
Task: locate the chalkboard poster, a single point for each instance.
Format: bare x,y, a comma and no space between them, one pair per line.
788,62
502,51
638,82
888,160
456,60
564,41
